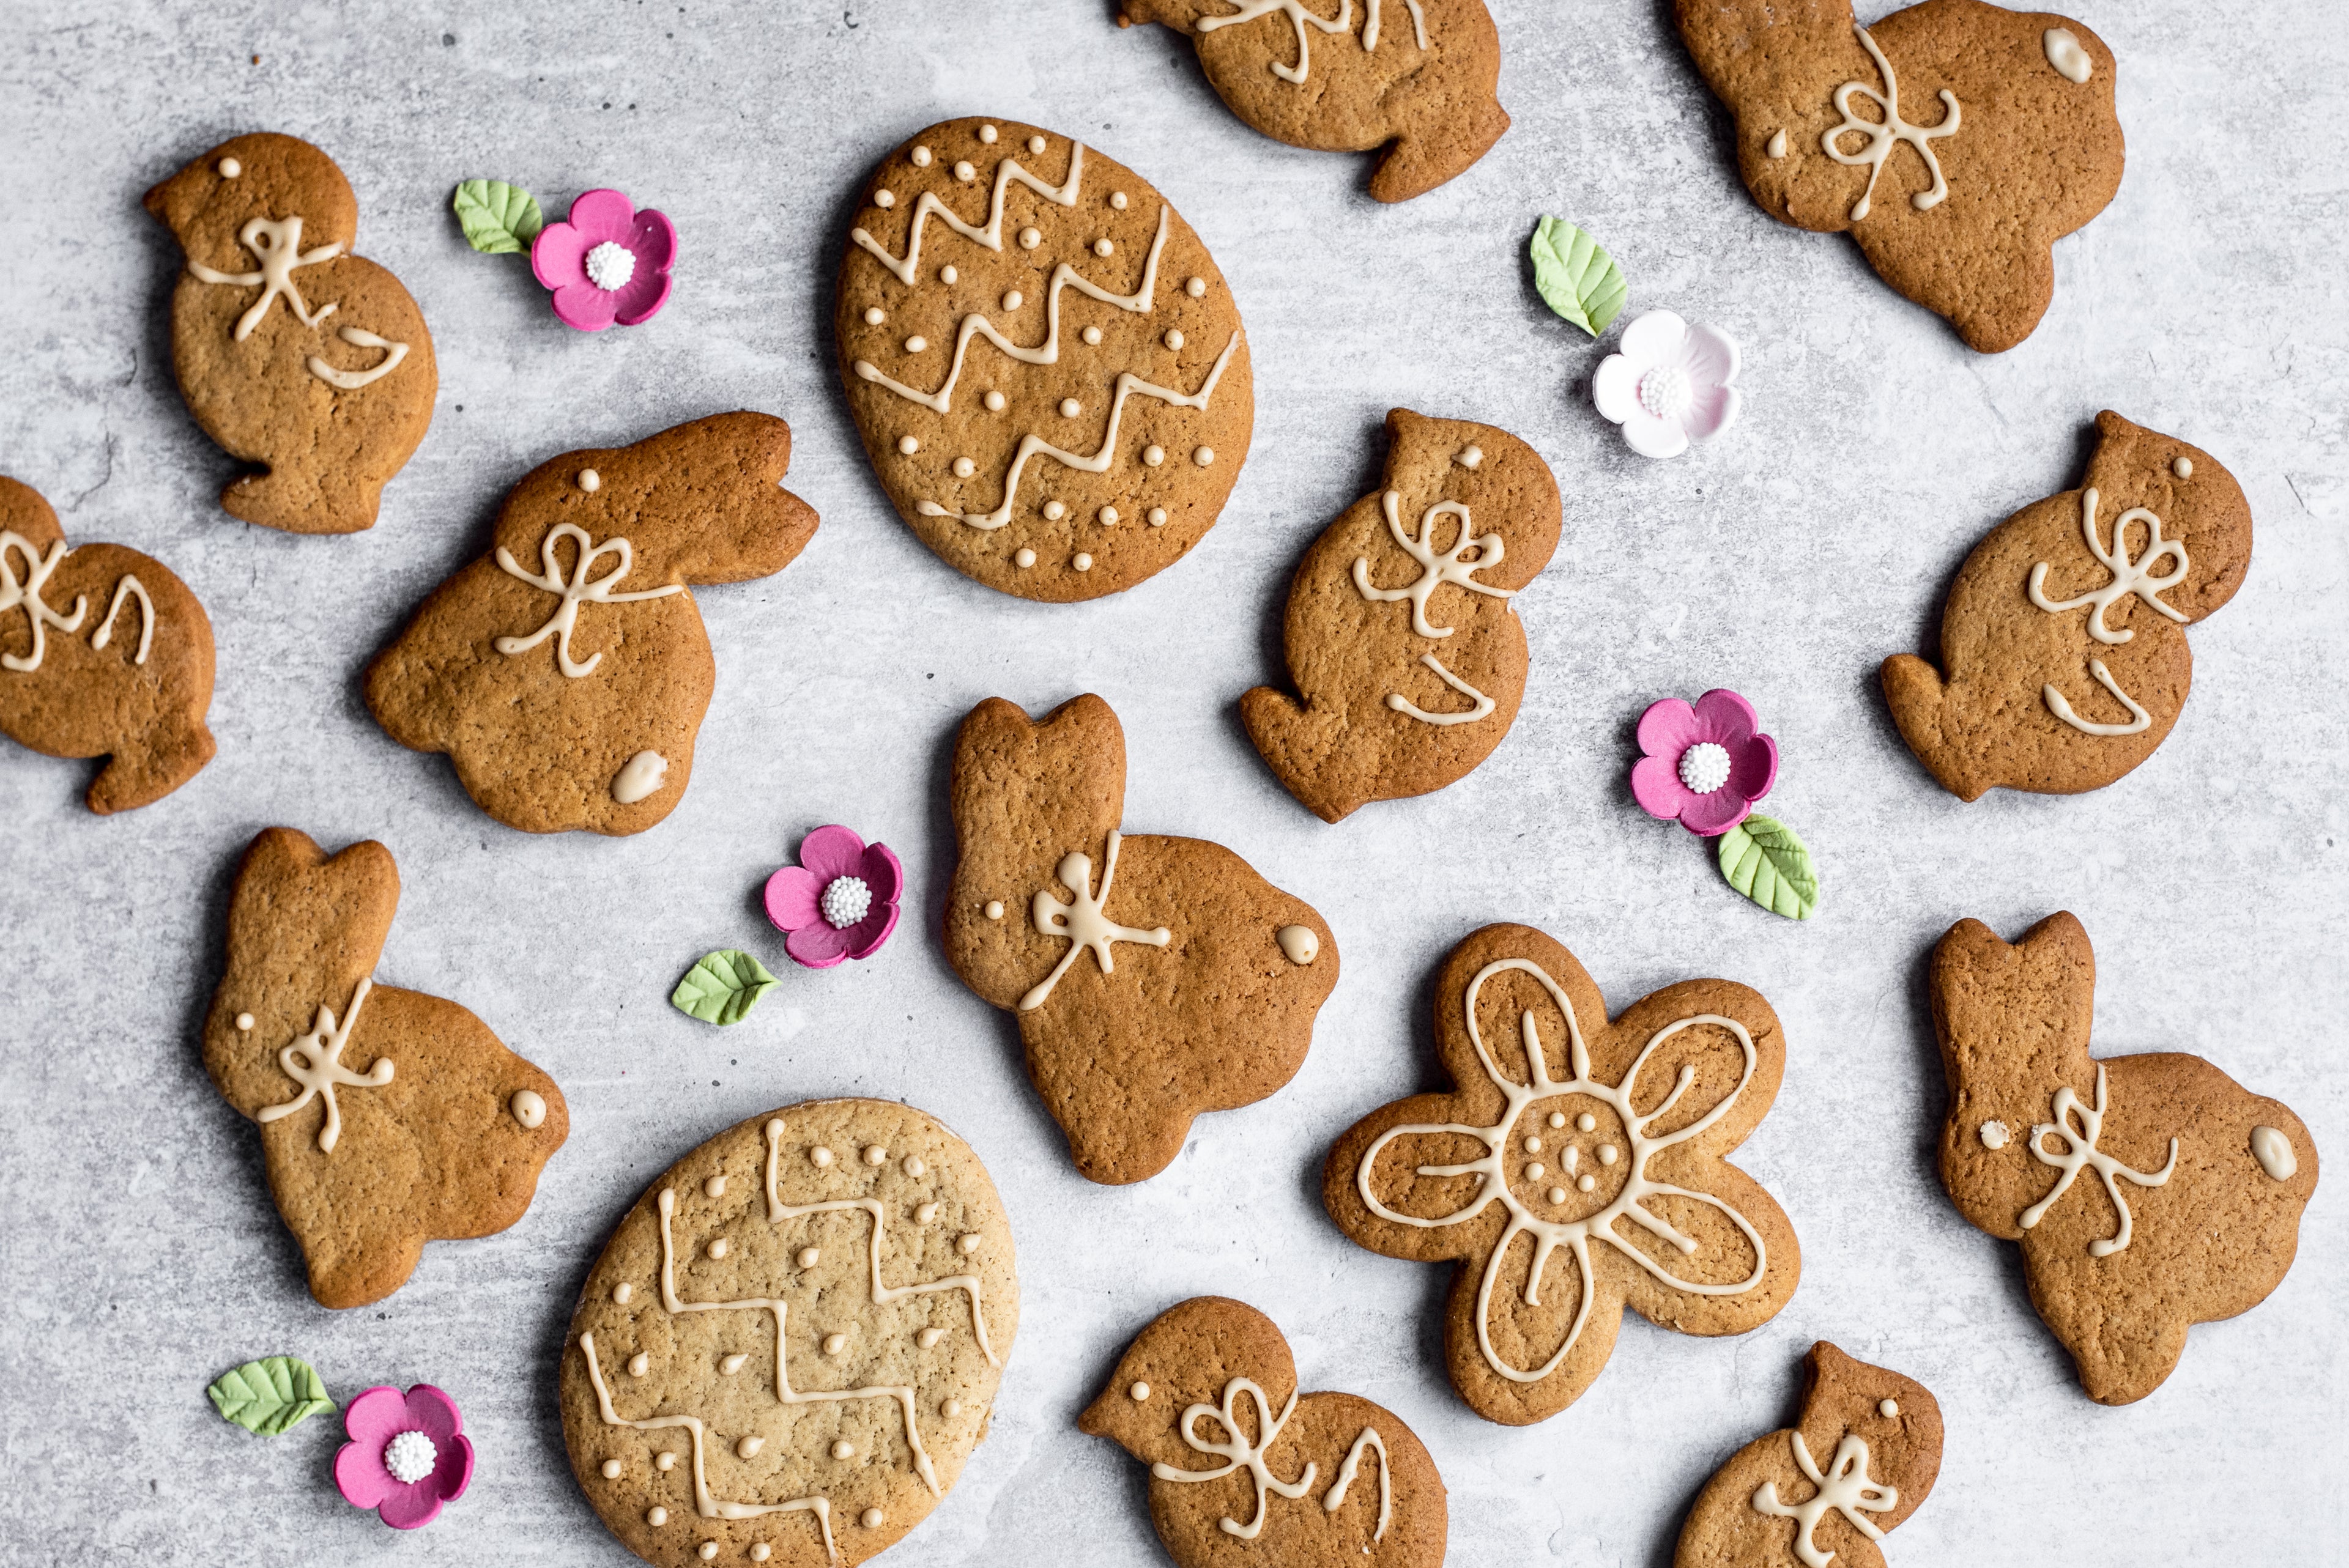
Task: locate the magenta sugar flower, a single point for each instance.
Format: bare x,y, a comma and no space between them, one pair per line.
840,901
1706,765
407,1454
608,262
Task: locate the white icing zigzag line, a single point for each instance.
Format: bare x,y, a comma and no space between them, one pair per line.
704,1504
992,235
1249,10
976,325
1099,460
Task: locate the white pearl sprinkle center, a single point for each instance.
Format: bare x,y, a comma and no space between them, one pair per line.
610,265
846,899
410,1458
1704,767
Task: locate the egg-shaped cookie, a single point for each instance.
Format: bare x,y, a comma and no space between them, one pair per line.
791,1343
1046,365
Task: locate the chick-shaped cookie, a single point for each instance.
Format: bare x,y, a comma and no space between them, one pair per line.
1578,1168
390,1118
1419,80
2063,636
2150,1192
103,653
1955,141
1406,687
292,352
1153,978
1860,1462
567,672
1245,1468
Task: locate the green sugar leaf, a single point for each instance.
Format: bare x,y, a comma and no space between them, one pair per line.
1764,861
498,219
1576,278
269,1396
723,987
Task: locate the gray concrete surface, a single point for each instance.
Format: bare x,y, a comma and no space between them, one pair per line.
138,1252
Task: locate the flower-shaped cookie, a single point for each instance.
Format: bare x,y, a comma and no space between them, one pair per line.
1669,384
840,901
1573,1174
607,263
406,1456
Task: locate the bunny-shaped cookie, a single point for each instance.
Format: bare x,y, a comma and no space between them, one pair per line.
1372,637
1955,141
565,673
2064,635
2149,1193
390,1118
1418,76
1245,1469
1204,1002
292,352
113,656
1858,1464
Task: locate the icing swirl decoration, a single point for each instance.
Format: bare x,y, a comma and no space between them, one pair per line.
577,590
2080,1149
1456,566
1238,1452
1845,1488
316,1062
1886,134
2129,576
1084,924
1301,18
276,244
25,593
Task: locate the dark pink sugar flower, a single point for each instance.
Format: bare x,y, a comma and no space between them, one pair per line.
607,263
840,901
1706,765
407,1455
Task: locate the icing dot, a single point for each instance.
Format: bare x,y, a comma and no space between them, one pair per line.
1174,337
1993,1135
1154,454
2064,52
833,1344
1108,516
610,265
1890,1408
876,1155
656,1516
760,1551
925,1213
1535,1172
1104,246
1023,559
1665,392
875,316
732,1364
871,1519
1029,238
1070,407
590,481
410,1458
245,1022
968,1244
918,1166
951,1407
718,1248
965,173
1557,1194
665,1460
987,134
909,445
1586,1122
916,344
994,401
821,1155
229,168
1557,1118
2183,468
1533,1146
1704,767
1053,511
994,909
1607,1155
884,199
2273,1150
1013,299
846,901
1083,562
844,1449
528,1108
1091,335
1158,517
1471,457
807,1257
1585,1183
1195,287
1117,200
1139,1392
930,1336
1777,145
1300,945
623,1292
964,468
639,1364
749,1447
714,1186
612,1469
708,1549
921,158
1035,144
1203,456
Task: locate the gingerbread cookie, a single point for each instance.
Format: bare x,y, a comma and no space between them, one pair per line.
1045,365
329,392
1171,980
86,681
1862,1459
2203,1181
558,716
390,1118
1372,637
2067,662
1245,1468
1605,1152
2013,142
1421,84
791,1344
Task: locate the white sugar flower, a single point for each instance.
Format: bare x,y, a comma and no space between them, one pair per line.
1669,384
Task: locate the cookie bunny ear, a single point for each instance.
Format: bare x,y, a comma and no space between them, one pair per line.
719,513
263,175
1188,1356
2198,502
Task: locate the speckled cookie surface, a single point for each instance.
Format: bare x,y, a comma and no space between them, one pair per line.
566,672
1417,74
1347,1480
1406,652
1046,366
389,1117
1859,1463
1578,1160
1153,978
2149,1193
2063,636
791,1344
2007,141
103,653
292,353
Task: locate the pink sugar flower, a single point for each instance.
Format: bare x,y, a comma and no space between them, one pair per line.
840,901
406,1456
1705,765
608,262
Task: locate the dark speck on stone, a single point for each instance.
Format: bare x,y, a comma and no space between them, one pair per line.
447,40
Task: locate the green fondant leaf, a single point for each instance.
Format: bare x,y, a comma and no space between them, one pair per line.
498,219
723,987
1576,278
272,1395
1764,861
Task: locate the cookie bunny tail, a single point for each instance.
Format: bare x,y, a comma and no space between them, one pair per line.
1415,164
148,767
1916,693
297,502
